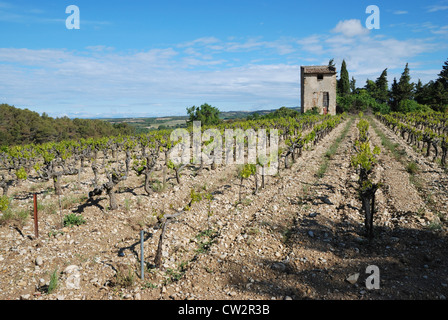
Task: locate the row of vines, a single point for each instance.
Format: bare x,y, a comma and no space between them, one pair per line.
112,159
428,132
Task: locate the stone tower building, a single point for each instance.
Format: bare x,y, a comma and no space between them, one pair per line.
318,89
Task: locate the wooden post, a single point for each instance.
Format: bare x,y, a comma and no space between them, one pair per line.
36,225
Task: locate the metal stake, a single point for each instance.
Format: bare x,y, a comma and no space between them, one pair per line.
142,262
36,226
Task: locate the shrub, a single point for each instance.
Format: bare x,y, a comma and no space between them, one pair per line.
407,105
4,203
73,220
21,174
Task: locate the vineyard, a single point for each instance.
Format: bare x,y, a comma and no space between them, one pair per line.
350,191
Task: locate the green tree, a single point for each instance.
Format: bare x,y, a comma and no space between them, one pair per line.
382,88
370,87
206,114
440,89
440,96
344,81
22,126
405,87
443,76
331,65
353,86
418,91
394,99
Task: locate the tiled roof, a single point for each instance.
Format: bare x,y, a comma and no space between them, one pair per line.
318,69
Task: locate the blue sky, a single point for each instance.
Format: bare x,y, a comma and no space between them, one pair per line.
156,58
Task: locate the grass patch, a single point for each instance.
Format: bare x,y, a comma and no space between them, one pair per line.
176,274
332,150
158,186
70,201
149,285
412,168
286,234
435,225
394,148
205,240
125,279
253,231
12,216
47,208
127,205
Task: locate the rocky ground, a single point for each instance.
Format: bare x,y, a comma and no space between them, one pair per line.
300,237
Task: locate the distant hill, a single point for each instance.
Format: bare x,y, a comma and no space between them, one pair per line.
153,123
22,126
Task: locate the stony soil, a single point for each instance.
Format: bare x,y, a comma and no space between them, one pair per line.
301,237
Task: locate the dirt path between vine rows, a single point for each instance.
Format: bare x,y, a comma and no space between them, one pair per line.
431,179
306,241
251,256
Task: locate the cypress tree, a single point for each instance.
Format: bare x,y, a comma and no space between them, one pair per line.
344,81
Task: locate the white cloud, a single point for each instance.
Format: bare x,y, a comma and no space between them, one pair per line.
200,41
441,30
400,12
100,48
234,73
436,8
351,28
63,82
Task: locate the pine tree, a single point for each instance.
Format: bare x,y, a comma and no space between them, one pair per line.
394,95
440,96
405,87
344,81
382,88
419,92
443,75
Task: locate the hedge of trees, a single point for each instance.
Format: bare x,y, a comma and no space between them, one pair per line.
22,126
402,96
